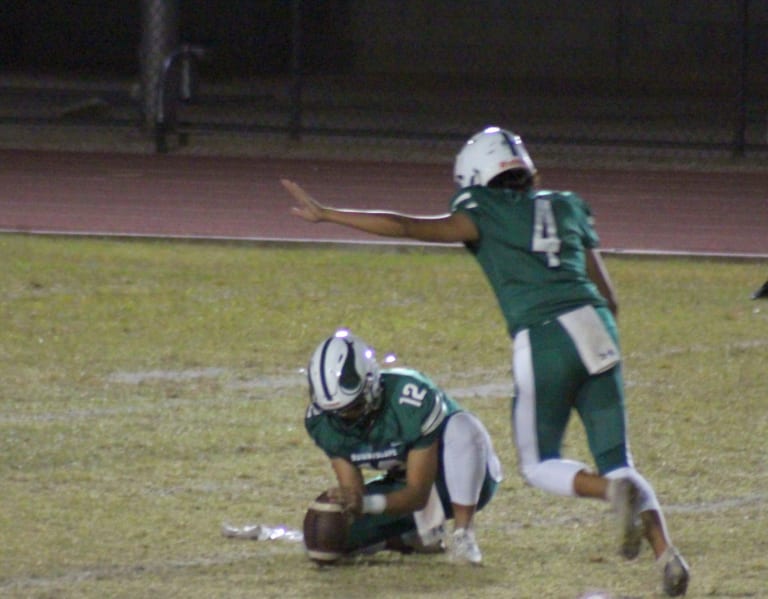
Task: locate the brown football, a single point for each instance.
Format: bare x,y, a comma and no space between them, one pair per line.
326,528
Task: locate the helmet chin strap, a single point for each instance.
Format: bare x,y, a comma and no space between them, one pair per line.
361,423
371,402
373,389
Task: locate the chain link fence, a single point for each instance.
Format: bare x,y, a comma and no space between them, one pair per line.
655,74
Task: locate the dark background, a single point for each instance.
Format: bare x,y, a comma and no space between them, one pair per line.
691,45
666,73
102,38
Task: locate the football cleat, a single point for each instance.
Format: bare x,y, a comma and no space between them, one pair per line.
761,292
624,497
410,542
675,572
463,548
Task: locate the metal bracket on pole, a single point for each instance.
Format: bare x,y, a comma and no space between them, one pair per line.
177,83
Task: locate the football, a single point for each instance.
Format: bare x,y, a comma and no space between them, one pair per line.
326,528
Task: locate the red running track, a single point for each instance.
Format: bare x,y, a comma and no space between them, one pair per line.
674,211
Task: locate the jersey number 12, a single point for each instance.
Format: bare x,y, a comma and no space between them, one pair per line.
412,395
545,239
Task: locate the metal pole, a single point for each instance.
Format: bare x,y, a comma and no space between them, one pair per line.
740,136
296,70
159,37
621,46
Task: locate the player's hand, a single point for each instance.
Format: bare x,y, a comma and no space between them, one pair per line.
348,497
308,208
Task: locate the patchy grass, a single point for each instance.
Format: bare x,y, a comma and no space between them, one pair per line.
152,391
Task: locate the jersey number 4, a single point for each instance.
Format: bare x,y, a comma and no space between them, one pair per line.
545,239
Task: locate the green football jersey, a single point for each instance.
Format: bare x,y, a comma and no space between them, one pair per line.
412,415
532,249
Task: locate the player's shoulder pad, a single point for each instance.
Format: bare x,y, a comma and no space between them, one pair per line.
465,199
556,195
436,416
568,199
314,420
415,389
400,376
402,371
312,411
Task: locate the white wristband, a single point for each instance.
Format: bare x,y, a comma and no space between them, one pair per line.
374,504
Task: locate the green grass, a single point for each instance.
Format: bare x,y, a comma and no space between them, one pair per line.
153,391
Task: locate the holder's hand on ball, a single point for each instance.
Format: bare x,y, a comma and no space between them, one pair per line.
351,499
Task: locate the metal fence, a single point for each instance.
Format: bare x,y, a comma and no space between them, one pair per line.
656,74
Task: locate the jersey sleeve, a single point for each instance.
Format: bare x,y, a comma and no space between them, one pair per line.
421,408
583,214
466,202
318,427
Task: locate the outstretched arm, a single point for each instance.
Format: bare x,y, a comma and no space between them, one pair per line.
446,228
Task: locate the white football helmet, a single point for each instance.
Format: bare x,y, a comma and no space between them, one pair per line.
343,371
489,153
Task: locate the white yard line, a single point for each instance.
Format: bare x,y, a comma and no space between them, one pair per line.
496,383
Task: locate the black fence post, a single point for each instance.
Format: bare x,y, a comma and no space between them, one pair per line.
159,36
621,47
740,134
297,73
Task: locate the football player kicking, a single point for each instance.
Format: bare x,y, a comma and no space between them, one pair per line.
538,250
438,459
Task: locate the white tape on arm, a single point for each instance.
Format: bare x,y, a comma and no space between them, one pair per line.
374,504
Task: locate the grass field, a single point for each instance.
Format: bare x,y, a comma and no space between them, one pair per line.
153,391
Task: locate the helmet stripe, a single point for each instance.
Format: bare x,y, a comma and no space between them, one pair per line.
510,142
326,391
350,379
